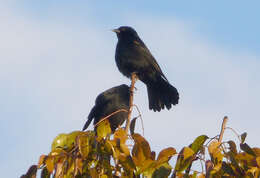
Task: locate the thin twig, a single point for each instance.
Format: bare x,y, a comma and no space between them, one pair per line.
238,136
113,113
140,115
223,128
202,167
213,138
133,80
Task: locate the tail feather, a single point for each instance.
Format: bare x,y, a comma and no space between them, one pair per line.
161,94
90,118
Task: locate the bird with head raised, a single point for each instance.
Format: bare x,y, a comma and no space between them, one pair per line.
132,56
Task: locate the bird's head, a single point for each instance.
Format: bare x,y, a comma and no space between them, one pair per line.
125,32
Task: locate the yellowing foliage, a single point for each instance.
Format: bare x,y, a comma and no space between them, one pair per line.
90,154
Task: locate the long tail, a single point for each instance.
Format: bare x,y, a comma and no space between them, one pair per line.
161,94
90,118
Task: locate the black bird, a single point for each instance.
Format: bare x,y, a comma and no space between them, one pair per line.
108,102
132,56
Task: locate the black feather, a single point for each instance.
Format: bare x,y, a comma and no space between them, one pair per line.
108,102
132,55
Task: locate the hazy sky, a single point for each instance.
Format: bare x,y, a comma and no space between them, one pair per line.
57,56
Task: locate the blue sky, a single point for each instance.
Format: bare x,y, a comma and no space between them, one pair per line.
57,56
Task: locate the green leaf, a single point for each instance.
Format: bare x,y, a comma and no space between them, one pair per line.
60,142
104,129
243,137
163,172
184,159
71,138
198,143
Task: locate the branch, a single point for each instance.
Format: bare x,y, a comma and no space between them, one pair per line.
133,80
223,128
238,136
140,115
107,117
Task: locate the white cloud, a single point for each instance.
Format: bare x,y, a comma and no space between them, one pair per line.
52,73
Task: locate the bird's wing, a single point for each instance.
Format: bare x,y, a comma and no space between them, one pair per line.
148,56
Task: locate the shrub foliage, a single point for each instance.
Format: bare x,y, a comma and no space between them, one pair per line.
89,154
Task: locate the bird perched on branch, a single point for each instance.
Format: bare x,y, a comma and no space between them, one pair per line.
132,56
110,101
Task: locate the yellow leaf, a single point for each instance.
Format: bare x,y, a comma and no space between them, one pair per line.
214,146
127,162
215,152
217,167
184,159
121,135
256,151
79,165
57,151
93,172
179,174
83,144
187,152
104,129
145,165
201,176
258,161
50,163
59,170
41,160
165,155
60,141
141,147
253,170
245,157
71,168
125,149
71,138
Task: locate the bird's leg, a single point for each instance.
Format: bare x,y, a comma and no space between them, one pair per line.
133,80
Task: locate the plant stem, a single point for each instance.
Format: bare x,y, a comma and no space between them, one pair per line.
133,80
223,128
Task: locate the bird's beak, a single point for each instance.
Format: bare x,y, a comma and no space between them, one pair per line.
116,30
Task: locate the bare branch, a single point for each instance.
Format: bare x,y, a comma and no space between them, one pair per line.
133,80
238,136
140,115
107,117
223,128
